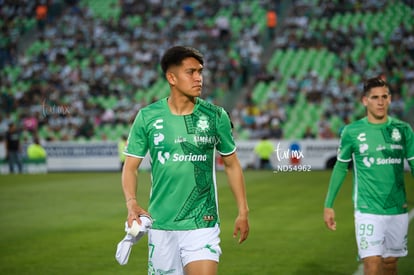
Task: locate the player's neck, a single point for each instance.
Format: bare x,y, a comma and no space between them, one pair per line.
181,105
377,120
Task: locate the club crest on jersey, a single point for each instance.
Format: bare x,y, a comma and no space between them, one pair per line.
395,135
202,123
364,243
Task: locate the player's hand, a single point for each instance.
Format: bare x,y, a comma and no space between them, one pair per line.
241,226
329,218
134,211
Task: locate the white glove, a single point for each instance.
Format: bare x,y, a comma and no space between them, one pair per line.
134,234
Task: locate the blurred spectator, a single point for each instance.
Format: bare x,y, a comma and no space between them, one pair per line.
86,129
264,150
309,134
14,149
276,130
324,130
223,25
397,106
121,148
4,126
31,122
41,15
271,23
35,150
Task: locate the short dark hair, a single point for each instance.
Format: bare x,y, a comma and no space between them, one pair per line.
176,54
373,83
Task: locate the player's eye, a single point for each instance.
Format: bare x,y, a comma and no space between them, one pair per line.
375,97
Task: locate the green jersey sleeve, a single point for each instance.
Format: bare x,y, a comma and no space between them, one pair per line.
341,167
137,143
226,144
345,149
409,143
337,179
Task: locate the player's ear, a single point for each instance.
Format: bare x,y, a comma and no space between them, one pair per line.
170,77
364,100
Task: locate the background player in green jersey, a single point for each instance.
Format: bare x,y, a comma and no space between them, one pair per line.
182,134
378,146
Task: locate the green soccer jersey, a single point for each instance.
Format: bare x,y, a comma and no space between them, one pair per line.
378,152
182,150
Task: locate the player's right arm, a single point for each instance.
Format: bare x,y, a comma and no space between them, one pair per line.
337,178
129,186
409,137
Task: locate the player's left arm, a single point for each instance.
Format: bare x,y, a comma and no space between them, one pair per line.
227,149
235,179
409,143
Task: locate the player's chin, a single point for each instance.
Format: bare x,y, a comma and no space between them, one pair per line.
197,91
379,116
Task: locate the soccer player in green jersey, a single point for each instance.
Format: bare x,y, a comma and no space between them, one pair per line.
378,146
182,134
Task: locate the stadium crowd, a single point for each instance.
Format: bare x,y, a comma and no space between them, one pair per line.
83,72
341,88
80,57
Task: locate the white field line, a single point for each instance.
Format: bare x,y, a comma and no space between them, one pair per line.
360,270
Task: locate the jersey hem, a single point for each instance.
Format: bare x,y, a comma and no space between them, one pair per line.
227,154
382,213
168,228
343,160
135,156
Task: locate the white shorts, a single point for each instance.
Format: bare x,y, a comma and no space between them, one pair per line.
381,235
170,251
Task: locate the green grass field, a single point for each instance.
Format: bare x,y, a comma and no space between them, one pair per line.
70,223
